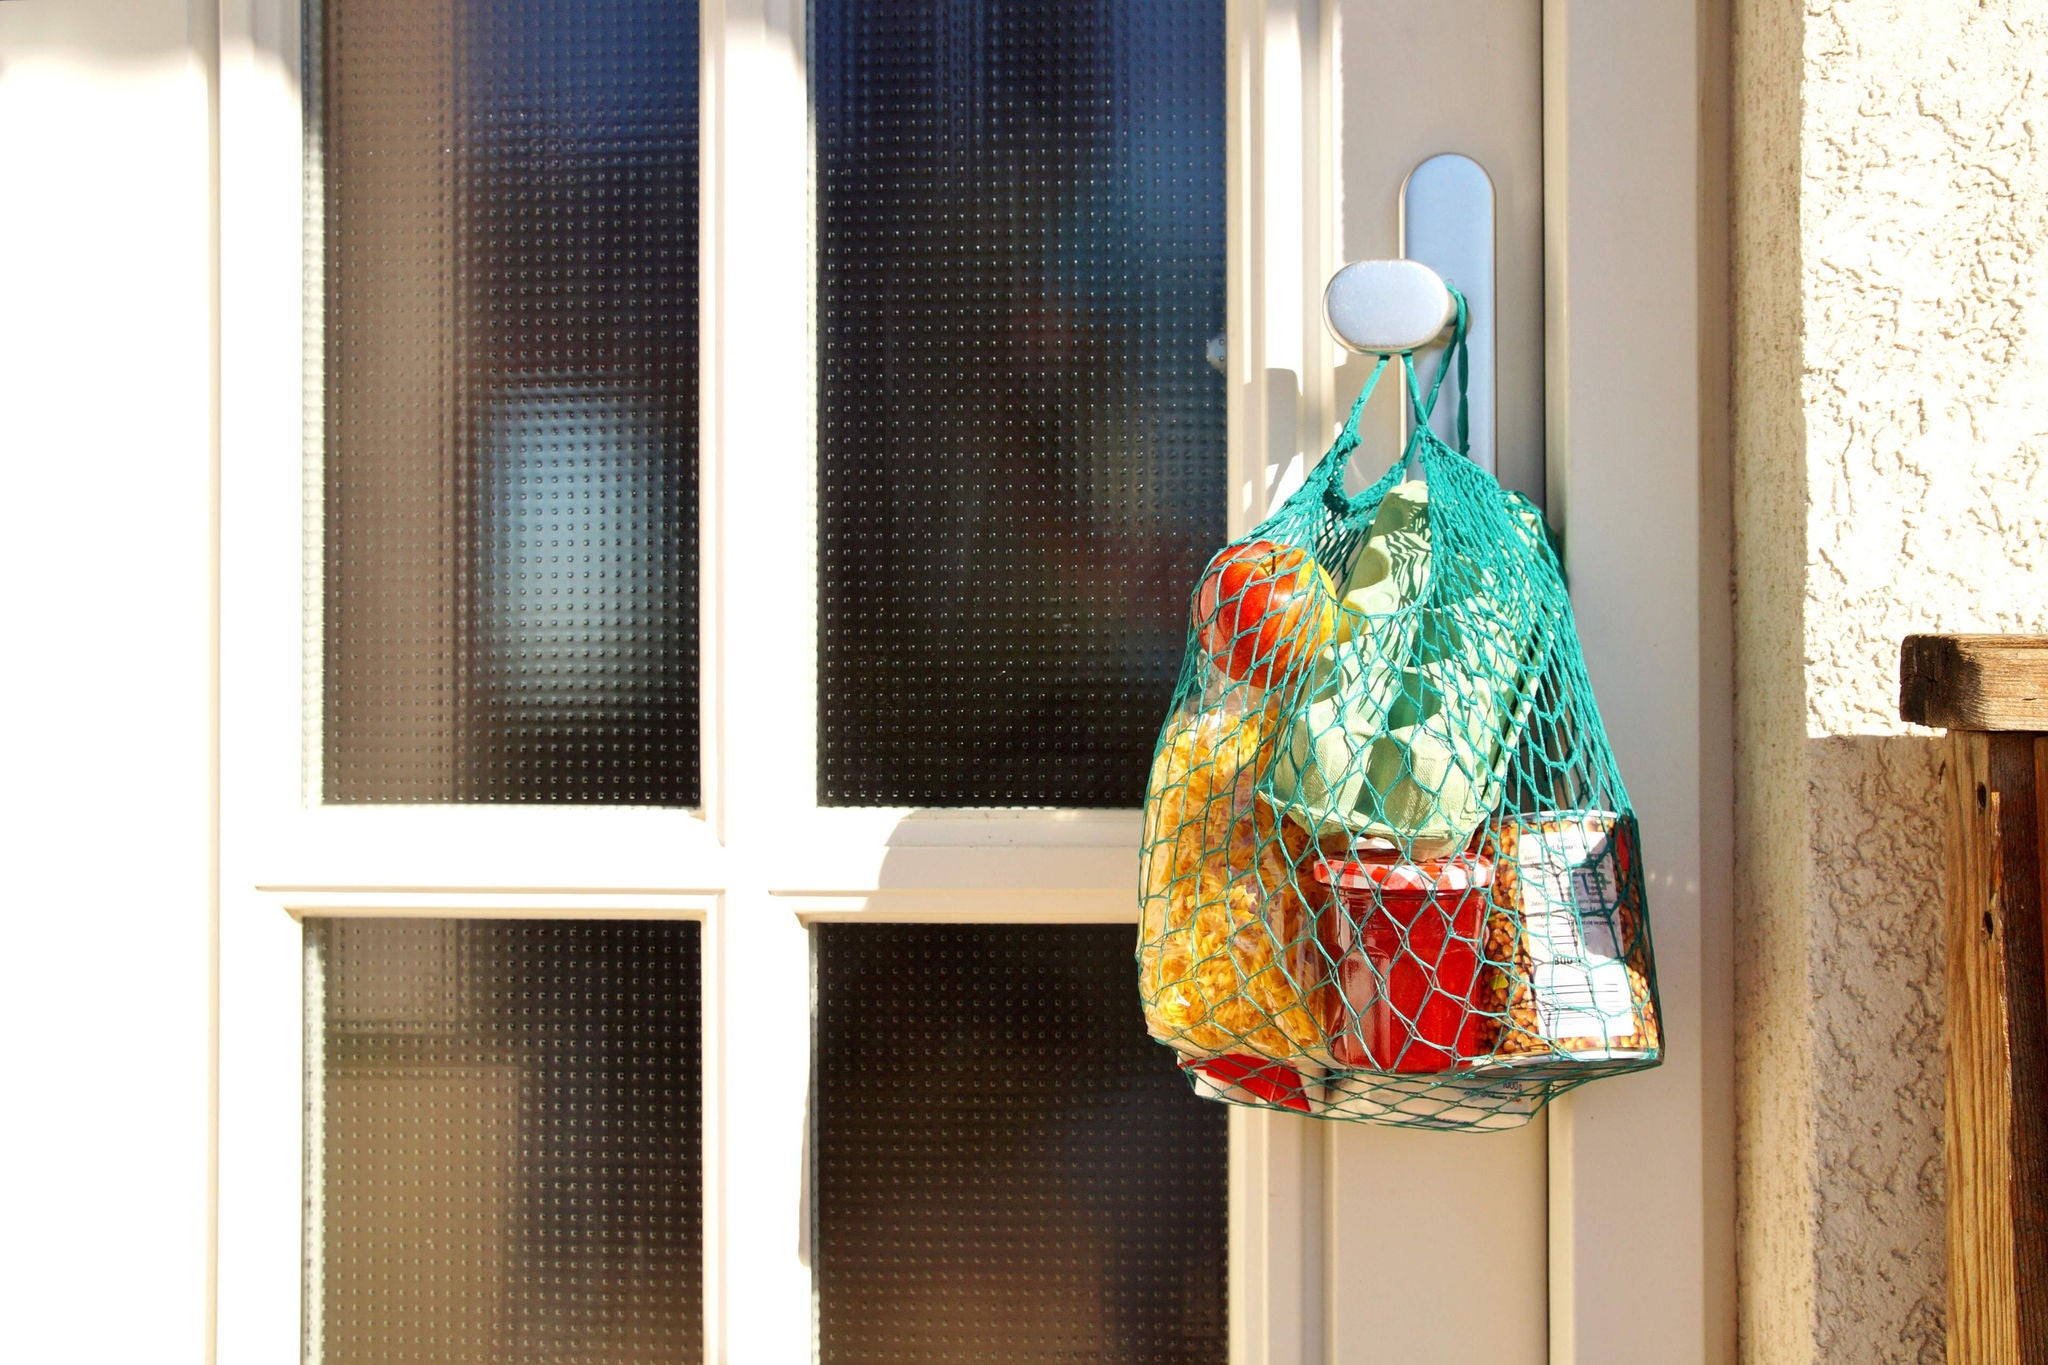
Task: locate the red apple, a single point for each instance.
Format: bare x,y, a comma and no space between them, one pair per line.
1264,609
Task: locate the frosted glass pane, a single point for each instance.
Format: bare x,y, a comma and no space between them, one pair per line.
506,381
1020,214
505,1139
1007,1168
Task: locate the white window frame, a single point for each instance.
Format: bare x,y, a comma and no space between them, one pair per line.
1626,423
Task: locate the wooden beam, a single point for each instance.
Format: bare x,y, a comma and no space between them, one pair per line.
1996,1038
1975,682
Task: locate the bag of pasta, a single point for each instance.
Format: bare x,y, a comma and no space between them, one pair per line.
1390,872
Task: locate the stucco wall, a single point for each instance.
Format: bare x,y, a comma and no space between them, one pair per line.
1891,381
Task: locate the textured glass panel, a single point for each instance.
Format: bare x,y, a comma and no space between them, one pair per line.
507,371
506,1142
1008,1168
1020,265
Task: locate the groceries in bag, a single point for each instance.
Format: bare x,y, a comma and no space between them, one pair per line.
1405,938
1390,873
1242,1079
1227,953
1263,610
1571,972
1416,709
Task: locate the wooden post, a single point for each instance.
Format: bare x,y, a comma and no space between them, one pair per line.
1991,693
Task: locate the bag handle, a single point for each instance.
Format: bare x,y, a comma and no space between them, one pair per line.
1457,354
1330,472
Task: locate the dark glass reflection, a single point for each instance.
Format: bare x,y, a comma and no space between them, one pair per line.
1020,215
506,1129
1007,1167
508,372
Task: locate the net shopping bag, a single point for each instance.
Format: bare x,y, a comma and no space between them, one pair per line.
1389,871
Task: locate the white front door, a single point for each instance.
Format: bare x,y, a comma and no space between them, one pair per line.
813,644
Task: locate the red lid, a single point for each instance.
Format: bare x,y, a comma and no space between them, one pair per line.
1388,872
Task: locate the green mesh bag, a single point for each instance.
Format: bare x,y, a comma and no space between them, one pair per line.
1390,873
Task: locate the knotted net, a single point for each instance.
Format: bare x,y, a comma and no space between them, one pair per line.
1389,871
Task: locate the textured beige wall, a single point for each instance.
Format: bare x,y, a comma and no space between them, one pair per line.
1891,380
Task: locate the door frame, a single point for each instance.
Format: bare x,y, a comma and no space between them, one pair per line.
1641,1189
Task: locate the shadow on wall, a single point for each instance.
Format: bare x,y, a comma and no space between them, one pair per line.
1875,889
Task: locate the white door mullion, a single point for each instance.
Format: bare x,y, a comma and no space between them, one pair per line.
1281,375
756,441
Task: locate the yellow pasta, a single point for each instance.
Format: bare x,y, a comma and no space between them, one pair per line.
1227,949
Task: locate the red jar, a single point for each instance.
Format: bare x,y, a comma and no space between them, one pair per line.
1406,940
